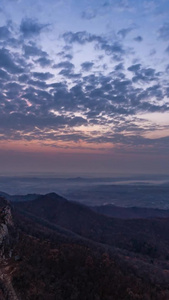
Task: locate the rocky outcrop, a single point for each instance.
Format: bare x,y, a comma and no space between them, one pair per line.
3,233
7,215
7,287
6,223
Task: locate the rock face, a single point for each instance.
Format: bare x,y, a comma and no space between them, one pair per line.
3,233
7,214
6,222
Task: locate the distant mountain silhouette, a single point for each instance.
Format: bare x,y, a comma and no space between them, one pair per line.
27,197
131,212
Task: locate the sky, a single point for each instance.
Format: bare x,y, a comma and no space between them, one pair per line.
84,86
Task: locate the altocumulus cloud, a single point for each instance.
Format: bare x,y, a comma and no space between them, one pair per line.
48,95
30,27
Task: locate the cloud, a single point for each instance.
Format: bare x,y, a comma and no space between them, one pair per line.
80,37
64,55
163,32
167,69
44,62
143,74
69,74
100,100
4,33
89,14
97,97
33,50
64,64
35,104
23,78
87,66
4,75
67,70
68,56
119,5
7,62
119,67
135,68
115,48
40,84
42,76
110,48
30,27
138,38
124,32
167,50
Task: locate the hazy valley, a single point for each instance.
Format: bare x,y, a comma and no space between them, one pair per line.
127,191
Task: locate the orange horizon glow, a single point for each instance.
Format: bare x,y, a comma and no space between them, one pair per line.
55,147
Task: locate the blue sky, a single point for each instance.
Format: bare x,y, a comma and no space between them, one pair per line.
86,78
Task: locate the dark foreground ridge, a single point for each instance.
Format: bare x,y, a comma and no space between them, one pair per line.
52,248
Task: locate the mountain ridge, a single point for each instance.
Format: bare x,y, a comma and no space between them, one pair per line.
84,256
